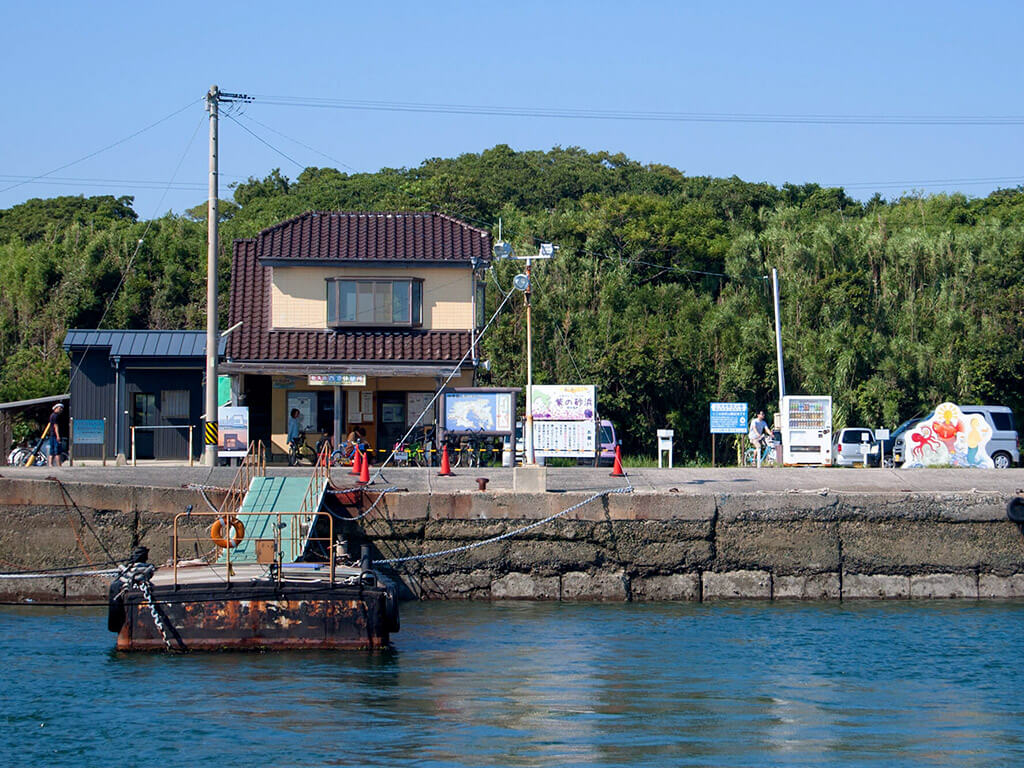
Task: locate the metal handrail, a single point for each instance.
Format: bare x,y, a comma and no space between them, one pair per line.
293,537
253,465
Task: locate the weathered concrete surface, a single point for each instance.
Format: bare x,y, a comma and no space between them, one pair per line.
693,542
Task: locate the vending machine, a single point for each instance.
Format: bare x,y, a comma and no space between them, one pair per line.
807,430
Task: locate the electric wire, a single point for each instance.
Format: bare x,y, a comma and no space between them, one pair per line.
103,149
637,115
138,247
252,119
263,141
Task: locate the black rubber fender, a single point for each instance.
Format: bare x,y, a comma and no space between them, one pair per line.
1015,509
115,607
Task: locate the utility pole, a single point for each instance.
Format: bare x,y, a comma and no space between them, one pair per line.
210,431
213,99
778,336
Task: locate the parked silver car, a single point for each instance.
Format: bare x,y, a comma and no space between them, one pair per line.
848,447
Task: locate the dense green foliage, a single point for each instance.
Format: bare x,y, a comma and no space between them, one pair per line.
658,293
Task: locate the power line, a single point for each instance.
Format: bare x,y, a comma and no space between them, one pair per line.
263,141
301,144
138,247
643,115
103,149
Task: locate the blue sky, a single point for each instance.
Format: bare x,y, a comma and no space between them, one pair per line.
79,77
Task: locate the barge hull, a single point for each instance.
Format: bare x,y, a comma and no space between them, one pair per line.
260,619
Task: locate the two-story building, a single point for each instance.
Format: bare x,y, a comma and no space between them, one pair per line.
354,319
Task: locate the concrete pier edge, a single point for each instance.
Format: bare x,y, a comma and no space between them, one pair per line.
650,545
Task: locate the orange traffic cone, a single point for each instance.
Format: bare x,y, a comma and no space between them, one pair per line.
355,462
364,470
617,466
446,467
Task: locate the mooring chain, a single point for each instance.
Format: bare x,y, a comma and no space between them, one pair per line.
507,535
383,492
137,575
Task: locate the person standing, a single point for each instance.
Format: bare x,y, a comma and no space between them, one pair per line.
53,444
294,427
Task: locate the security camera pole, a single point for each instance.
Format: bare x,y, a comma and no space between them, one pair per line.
522,283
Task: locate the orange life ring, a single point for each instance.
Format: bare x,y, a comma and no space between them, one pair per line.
217,532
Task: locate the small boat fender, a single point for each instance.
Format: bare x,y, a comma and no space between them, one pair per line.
218,532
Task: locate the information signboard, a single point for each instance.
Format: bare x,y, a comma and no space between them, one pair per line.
233,432
729,418
570,439
88,432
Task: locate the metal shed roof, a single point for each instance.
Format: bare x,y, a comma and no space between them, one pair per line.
142,343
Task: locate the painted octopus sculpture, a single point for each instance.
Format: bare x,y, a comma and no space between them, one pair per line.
925,437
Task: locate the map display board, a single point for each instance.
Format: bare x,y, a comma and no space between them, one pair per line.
480,412
564,402
729,418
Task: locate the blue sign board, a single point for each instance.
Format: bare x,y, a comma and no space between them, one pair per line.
88,431
728,418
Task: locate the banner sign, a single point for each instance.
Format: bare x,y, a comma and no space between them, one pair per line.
233,435
564,402
728,418
336,380
88,432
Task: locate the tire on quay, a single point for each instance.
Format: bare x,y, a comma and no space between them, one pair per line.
1015,509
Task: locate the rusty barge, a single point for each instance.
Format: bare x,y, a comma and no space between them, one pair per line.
278,575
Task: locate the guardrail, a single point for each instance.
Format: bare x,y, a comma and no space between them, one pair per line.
269,552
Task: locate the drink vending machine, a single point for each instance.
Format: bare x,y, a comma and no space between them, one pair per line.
807,429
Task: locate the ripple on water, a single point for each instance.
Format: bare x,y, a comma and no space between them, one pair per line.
539,684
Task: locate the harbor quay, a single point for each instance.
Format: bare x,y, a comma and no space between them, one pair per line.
656,534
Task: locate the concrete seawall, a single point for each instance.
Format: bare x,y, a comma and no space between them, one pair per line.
647,545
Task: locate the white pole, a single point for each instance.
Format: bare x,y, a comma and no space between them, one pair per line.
528,432
778,336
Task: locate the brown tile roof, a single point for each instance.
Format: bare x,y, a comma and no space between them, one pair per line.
319,236
254,339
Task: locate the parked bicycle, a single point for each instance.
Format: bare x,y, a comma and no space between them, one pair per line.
767,455
299,449
470,450
418,450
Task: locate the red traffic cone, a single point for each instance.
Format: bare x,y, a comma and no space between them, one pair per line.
446,467
364,471
617,466
356,462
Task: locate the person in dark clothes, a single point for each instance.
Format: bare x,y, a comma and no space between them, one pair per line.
53,438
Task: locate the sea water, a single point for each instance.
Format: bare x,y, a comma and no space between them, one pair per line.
537,684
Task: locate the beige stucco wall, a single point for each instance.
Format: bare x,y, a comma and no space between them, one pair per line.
299,294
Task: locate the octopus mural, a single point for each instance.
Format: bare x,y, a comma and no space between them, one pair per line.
949,438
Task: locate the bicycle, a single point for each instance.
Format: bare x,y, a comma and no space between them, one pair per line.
767,455
418,452
469,450
298,447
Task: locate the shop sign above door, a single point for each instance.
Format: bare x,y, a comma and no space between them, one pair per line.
336,380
